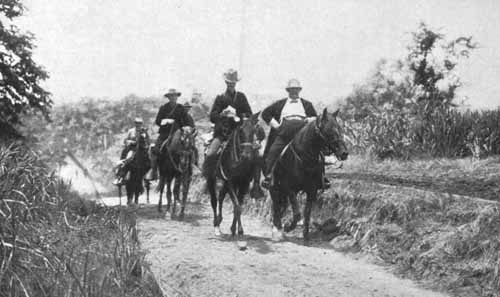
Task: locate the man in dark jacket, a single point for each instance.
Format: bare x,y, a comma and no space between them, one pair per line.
170,118
226,111
286,117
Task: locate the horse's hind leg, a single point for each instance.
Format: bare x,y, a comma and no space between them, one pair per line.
291,225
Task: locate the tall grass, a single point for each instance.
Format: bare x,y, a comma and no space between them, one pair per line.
444,133
52,243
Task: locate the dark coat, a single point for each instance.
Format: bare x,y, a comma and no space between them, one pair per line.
176,112
190,121
274,111
238,101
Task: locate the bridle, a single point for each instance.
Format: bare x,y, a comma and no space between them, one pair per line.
322,136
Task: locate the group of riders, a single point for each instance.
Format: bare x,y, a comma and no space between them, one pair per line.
285,118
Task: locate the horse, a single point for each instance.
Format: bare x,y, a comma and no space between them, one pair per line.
175,161
300,168
235,167
137,167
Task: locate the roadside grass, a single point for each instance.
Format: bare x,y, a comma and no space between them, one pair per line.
467,176
394,211
53,243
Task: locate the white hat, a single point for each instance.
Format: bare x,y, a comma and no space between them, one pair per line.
293,84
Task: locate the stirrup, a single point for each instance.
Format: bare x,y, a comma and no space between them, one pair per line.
267,183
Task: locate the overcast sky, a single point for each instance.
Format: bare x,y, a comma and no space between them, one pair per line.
111,48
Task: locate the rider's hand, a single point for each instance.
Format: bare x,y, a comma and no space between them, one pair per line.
310,119
274,124
225,112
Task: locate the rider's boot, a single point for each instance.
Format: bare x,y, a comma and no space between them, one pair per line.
118,181
266,183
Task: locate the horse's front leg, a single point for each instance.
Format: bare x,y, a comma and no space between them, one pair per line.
147,185
169,194
186,181
236,207
311,196
161,187
222,195
241,195
176,192
211,184
279,204
291,225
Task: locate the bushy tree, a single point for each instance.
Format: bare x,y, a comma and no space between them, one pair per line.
20,75
407,106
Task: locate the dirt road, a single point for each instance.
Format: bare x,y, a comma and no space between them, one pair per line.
189,260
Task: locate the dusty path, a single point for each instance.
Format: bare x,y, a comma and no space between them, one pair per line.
189,260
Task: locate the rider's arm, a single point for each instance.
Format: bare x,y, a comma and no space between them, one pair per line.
245,109
269,115
216,109
159,116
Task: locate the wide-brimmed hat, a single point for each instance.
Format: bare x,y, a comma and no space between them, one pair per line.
231,75
187,105
293,84
138,120
172,92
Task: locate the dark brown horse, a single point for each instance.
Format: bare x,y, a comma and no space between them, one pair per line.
235,168
300,168
137,168
175,162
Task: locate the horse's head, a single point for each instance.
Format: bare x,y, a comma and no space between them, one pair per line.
187,146
246,136
330,132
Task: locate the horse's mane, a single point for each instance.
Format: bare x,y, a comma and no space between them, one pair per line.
304,135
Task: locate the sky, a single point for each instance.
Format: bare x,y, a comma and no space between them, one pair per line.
110,48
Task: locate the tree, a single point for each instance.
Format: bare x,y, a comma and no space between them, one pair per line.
20,76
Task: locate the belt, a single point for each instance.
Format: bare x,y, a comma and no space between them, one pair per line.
294,117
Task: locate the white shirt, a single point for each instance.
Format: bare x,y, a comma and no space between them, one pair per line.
292,109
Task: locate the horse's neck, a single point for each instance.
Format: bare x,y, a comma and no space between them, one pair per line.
306,143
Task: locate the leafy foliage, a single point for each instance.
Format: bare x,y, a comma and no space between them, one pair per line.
20,76
409,107
53,243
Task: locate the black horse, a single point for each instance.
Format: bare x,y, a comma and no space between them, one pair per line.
235,168
175,162
137,167
300,168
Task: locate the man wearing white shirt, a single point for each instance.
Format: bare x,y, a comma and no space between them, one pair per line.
286,117
170,118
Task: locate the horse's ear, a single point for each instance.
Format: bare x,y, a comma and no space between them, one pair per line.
324,116
255,118
336,113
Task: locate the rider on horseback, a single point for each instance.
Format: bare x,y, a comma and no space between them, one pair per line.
286,117
171,117
226,112
195,155
134,135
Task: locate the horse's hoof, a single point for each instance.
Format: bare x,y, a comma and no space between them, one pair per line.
217,231
277,235
240,232
289,227
181,216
